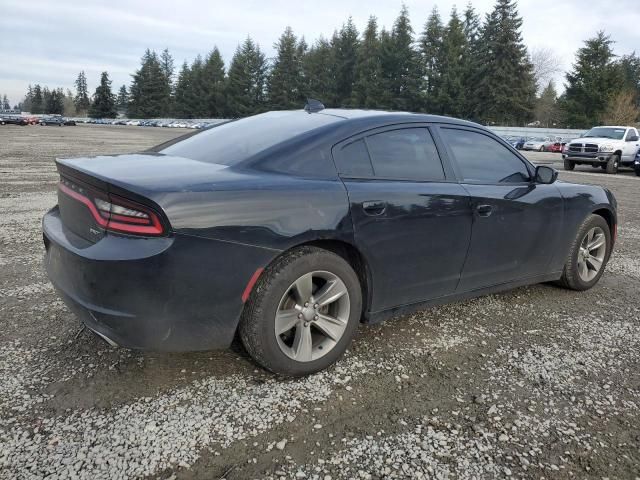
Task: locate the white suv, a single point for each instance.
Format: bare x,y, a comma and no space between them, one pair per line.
606,147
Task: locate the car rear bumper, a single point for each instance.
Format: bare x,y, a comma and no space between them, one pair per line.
178,293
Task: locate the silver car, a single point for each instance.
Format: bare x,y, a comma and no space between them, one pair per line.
539,144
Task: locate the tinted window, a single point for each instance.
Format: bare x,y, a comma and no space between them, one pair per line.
353,159
235,141
483,159
408,153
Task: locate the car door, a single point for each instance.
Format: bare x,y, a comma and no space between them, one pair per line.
630,147
516,222
412,220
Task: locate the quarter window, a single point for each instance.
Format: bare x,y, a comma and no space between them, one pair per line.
353,159
408,153
482,159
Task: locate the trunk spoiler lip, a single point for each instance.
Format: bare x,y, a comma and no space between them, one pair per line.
104,185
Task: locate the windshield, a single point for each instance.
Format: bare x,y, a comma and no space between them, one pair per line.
606,132
238,140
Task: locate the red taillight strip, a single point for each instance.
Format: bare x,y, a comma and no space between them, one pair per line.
87,202
252,281
108,223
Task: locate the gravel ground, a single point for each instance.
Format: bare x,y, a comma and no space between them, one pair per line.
538,382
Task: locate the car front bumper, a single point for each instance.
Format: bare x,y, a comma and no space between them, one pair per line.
587,157
177,293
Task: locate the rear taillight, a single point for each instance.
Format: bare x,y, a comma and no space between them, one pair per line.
115,213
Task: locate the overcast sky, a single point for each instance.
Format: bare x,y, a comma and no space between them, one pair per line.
49,42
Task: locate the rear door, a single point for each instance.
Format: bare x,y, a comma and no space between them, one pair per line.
516,222
630,147
412,220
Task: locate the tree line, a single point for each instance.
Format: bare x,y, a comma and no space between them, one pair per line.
467,66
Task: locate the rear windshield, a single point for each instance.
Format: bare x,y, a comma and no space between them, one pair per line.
238,140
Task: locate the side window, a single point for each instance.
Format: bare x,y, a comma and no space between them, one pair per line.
408,153
483,159
631,133
353,159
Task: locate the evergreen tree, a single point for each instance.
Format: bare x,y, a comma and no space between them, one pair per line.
54,101
69,106
149,94
286,82
430,48
245,89
182,92
5,103
629,66
470,65
345,47
104,102
547,112
451,92
196,106
81,99
402,65
591,83
122,101
505,91
368,72
27,104
213,83
319,75
168,69
37,101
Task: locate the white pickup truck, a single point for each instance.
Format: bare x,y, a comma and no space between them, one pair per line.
605,147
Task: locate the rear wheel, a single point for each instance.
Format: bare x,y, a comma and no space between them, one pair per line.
569,165
588,256
637,170
302,313
612,164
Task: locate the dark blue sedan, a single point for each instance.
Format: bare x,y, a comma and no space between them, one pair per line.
289,228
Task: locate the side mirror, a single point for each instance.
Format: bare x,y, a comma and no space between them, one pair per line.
632,139
546,175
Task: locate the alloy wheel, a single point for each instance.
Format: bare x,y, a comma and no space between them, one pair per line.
593,249
312,316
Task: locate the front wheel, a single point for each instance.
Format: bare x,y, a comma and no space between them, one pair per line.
637,170
612,164
303,312
569,165
588,256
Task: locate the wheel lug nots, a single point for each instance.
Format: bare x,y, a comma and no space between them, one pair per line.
306,304
315,317
299,315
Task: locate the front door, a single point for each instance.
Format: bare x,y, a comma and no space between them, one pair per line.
516,222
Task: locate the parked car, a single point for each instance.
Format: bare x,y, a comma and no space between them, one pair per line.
53,120
69,122
289,228
636,164
13,120
539,144
606,147
556,146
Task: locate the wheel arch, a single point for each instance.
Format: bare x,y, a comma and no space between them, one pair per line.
610,218
351,254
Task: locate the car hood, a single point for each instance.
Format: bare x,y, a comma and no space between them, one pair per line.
597,140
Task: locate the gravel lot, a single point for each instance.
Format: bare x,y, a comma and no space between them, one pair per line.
538,382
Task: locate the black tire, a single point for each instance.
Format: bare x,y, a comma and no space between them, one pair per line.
541,149
597,165
612,164
570,278
637,170
257,325
569,164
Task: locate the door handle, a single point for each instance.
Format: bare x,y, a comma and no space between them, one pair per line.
374,207
484,210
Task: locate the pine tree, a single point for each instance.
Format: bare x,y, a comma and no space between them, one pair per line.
505,91
591,83
430,48
213,84
547,112
451,93
104,102
402,65
54,101
122,102
367,88
245,88
149,94
5,102
345,47
81,99
183,88
286,82
471,27
37,100
168,69
319,75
